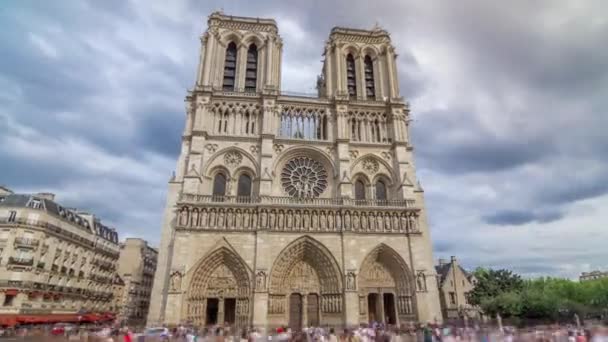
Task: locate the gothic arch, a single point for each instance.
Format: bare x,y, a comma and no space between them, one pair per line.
230,36
253,38
211,165
305,268
383,271
219,275
371,51
352,49
309,151
386,170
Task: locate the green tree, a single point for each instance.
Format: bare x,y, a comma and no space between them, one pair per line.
491,283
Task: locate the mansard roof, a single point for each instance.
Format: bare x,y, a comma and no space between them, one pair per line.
69,215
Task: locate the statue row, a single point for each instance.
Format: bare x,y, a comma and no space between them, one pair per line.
299,220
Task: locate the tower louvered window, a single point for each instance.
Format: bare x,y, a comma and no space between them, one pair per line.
351,78
230,67
251,74
370,90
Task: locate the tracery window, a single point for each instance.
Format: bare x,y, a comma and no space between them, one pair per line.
230,67
219,185
304,177
370,89
303,123
380,190
351,75
359,190
244,186
251,73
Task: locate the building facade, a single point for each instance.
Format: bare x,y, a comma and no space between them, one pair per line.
593,275
54,260
136,267
454,284
294,210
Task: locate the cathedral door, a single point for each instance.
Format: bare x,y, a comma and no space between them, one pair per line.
295,312
372,305
389,308
313,310
230,310
213,305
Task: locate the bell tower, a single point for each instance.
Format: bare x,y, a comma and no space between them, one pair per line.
360,65
240,54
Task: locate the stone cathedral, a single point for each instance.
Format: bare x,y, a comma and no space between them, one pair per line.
294,210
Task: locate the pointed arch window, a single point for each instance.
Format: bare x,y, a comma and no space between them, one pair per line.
244,186
351,75
381,191
219,186
359,190
370,89
230,67
251,73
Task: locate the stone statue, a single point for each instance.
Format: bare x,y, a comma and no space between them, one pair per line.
322,221
176,281
350,281
212,223
379,220
404,224
263,219
230,218
183,217
315,220
289,220
355,222
239,220
297,222
387,222
364,222
281,223
260,280
204,219
254,219
271,218
338,221
347,221
220,219
395,222
306,220
330,221
194,219
246,217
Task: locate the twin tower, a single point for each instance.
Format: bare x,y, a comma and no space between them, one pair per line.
294,210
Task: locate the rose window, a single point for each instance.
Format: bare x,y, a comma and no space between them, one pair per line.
304,177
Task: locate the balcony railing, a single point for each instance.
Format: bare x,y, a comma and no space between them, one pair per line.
21,261
294,201
26,242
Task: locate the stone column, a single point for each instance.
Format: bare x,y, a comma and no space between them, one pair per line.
269,61
380,306
328,71
209,49
304,310
220,311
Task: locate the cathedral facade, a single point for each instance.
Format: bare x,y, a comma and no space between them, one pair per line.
294,210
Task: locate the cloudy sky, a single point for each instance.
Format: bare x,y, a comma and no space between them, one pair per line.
508,101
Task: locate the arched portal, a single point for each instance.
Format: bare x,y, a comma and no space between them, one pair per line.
305,286
386,291
220,289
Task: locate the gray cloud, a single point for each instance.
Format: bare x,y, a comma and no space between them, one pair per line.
507,99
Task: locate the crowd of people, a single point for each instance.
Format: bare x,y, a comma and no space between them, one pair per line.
375,332
380,333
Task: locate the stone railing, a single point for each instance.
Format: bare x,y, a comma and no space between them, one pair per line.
21,261
26,242
293,201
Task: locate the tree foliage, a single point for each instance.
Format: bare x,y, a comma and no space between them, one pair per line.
549,299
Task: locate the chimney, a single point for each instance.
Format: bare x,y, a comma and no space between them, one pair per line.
442,261
46,195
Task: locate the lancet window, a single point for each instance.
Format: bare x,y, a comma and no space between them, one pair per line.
244,186
370,89
235,118
251,73
380,190
230,67
303,123
351,76
368,127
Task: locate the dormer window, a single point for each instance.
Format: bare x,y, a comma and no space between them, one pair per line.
35,203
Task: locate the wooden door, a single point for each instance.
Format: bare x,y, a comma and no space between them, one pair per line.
313,310
295,312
